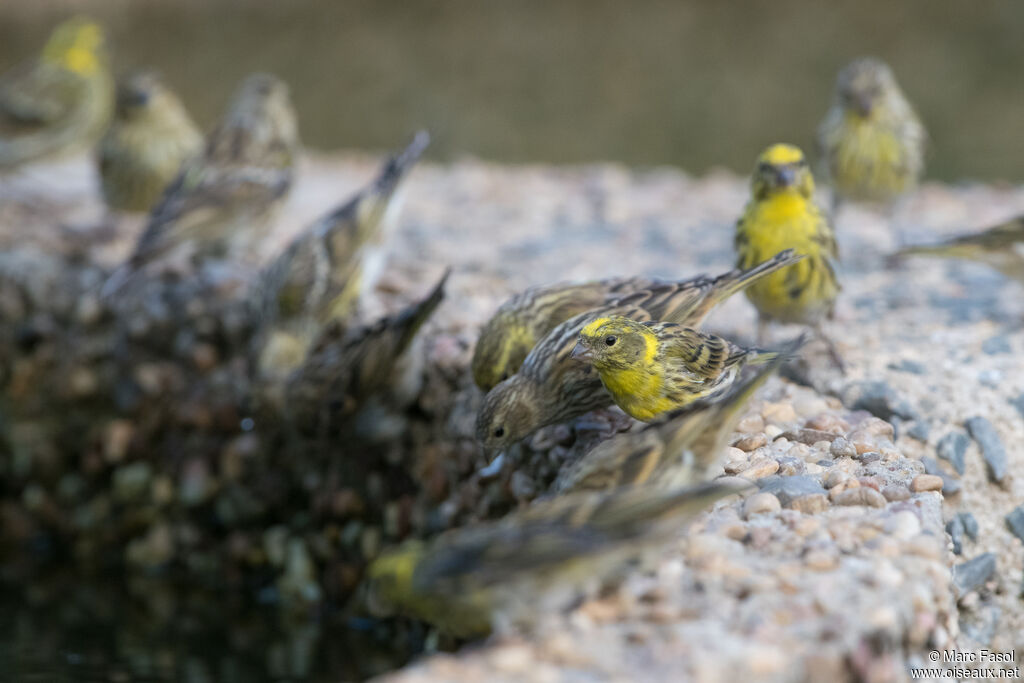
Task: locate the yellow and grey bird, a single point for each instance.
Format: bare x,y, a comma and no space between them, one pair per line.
551,387
318,278
510,573
222,201
678,449
871,141
782,214
650,368
519,323
1000,247
346,366
60,102
149,139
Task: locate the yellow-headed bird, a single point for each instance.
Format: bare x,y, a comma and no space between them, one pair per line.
650,368
782,214
318,278
519,323
509,573
61,101
871,141
678,449
146,144
223,200
551,387
1001,247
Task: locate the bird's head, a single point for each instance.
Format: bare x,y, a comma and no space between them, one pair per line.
388,580
781,169
78,45
509,414
864,85
261,112
615,343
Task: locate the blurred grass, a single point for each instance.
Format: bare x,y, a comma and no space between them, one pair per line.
692,84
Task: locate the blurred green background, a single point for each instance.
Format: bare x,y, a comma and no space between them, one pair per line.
692,84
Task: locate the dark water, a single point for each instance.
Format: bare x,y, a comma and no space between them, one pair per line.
70,631
693,84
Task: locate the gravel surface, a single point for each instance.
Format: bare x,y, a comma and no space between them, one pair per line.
840,565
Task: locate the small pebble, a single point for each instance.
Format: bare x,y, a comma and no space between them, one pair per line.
760,503
952,448
810,504
970,525
828,422
970,575
788,488
955,529
926,482
1015,522
751,442
750,424
991,447
895,492
762,467
779,413
861,495
903,525
841,448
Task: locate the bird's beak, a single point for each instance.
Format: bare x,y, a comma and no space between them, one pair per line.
864,105
581,352
785,176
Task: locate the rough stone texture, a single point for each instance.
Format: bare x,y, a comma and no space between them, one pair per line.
812,591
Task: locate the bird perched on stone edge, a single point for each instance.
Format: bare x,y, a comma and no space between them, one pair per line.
317,280
222,201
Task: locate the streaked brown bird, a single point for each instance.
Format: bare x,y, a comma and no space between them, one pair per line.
1001,247
317,280
149,139
347,366
60,102
509,573
551,387
679,449
222,201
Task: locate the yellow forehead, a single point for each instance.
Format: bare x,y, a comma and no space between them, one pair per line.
593,326
781,154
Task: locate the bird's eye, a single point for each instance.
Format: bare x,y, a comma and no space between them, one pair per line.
610,340
504,376
499,432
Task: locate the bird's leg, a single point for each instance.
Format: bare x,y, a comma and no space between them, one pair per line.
833,352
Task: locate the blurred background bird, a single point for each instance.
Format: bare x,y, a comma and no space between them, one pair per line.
871,141
551,387
1001,247
149,139
60,102
679,449
650,368
346,366
318,279
222,201
782,214
510,573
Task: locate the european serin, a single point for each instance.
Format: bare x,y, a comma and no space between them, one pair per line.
1001,247
519,323
318,278
871,141
346,366
782,214
550,387
60,102
678,449
650,368
149,139
223,200
510,572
